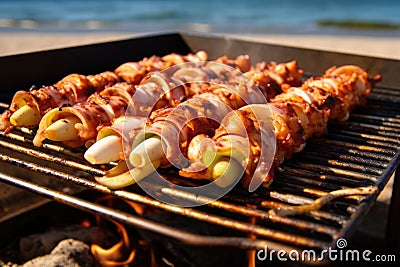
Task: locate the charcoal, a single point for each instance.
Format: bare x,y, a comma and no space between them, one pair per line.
42,243
68,252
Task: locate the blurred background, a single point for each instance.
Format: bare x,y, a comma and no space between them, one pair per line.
360,17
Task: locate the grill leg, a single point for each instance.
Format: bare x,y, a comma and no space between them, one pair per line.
392,229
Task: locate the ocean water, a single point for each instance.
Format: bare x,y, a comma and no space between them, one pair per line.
249,16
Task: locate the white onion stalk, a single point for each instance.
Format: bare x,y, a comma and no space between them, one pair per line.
147,151
306,96
120,176
105,150
63,129
25,116
226,172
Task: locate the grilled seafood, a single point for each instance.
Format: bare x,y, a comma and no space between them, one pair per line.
28,107
182,89
135,72
238,151
175,127
74,125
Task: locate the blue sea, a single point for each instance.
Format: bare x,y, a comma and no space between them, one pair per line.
234,16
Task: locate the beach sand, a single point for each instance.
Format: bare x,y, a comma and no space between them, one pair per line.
21,42
386,47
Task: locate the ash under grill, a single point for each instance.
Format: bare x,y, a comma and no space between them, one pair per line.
364,151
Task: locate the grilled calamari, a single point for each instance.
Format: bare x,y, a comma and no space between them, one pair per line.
243,147
74,125
176,126
28,107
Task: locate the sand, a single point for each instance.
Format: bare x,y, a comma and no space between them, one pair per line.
386,47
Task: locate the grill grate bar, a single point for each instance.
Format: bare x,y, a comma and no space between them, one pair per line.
356,217
373,151
387,117
51,158
376,100
379,120
4,105
309,182
386,91
385,97
387,140
313,175
54,159
28,140
349,150
359,140
325,159
291,197
318,214
374,129
188,238
300,163
191,213
251,212
376,163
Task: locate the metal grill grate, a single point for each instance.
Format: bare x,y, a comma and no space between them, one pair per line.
364,151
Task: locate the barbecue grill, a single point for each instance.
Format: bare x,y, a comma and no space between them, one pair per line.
362,152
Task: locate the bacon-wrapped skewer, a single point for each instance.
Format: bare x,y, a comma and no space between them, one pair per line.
174,127
286,74
135,72
28,107
79,123
201,114
296,115
181,77
76,124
